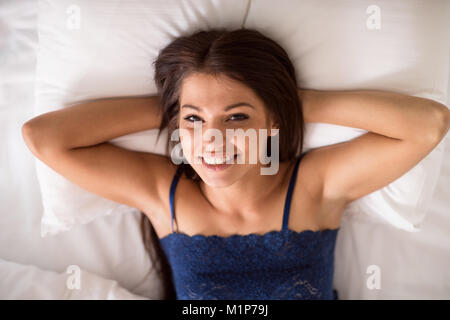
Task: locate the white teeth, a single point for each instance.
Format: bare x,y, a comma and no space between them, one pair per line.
213,160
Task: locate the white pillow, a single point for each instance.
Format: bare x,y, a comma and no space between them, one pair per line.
328,41
105,48
335,45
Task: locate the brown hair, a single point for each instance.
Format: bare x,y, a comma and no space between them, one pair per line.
157,257
244,55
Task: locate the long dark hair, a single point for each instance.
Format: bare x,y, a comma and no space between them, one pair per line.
157,257
245,55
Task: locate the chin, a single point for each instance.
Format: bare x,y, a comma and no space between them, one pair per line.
216,181
221,179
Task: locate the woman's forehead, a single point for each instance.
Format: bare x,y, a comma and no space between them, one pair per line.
208,91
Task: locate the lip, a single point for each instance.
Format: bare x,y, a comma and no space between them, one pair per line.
217,167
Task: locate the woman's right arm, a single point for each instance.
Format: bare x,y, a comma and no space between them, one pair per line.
91,123
74,142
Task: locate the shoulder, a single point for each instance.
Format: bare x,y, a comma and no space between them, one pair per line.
167,173
163,172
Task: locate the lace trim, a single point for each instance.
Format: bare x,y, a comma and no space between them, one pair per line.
250,235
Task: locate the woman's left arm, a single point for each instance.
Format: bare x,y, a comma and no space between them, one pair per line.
402,131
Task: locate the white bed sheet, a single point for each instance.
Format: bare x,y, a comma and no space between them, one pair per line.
412,265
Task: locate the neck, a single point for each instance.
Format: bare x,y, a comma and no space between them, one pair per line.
245,197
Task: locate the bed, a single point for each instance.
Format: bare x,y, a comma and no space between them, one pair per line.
373,259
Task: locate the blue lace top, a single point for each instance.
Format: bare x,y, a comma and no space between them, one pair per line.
282,264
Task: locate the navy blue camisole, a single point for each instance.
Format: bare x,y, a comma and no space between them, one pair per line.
277,265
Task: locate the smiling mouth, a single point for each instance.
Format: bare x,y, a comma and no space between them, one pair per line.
216,163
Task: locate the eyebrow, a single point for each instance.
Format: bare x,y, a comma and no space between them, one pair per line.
235,105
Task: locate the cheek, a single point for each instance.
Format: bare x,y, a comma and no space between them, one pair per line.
241,144
250,142
187,143
250,147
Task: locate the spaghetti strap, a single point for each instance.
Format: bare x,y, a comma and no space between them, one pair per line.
287,203
173,186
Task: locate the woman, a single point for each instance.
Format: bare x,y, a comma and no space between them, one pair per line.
226,230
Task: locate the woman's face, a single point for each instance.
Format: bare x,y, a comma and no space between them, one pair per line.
220,103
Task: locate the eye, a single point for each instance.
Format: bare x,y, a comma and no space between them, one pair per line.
238,117
192,118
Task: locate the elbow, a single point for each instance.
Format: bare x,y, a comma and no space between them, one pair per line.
39,138
27,132
439,125
28,136
35,138
443,120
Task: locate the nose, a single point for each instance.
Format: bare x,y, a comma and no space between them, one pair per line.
214,138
